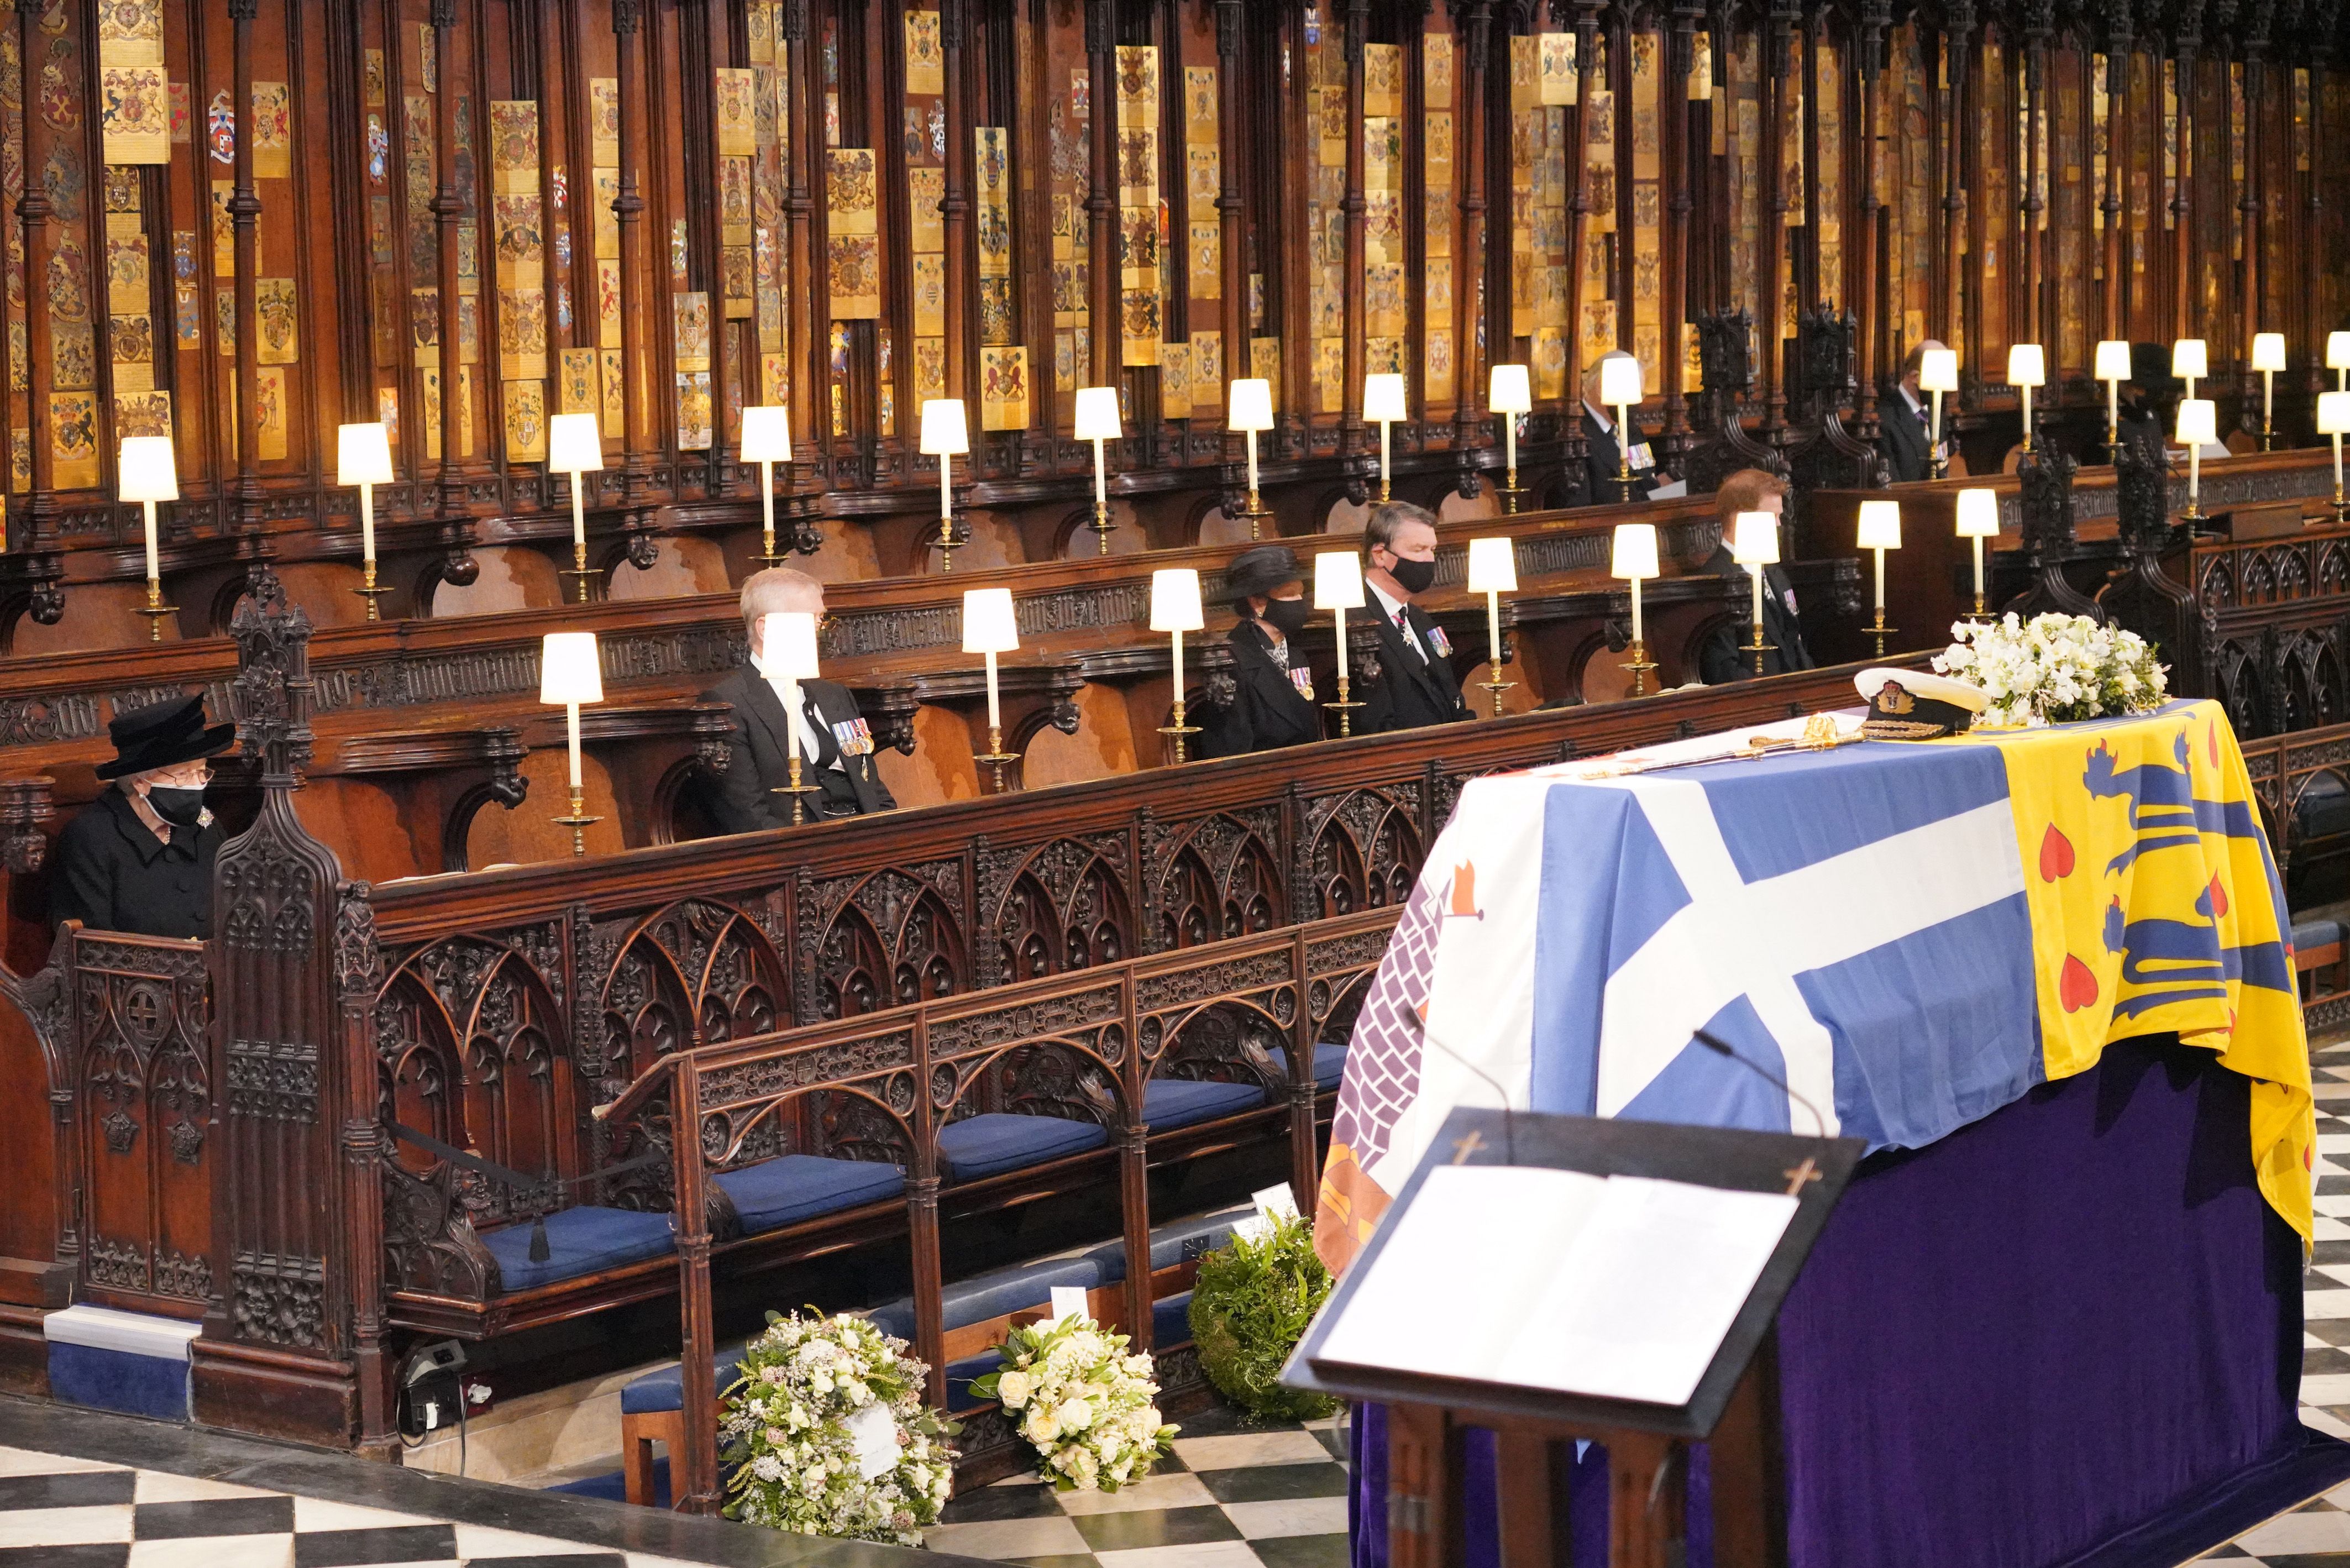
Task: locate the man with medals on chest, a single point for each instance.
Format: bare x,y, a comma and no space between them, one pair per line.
837,747
1416,685
1273,691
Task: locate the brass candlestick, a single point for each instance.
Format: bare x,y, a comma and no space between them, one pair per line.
1102,527
797,791
1345,710
1256,513
1510,490
580,572
1881,631
995,755
1177,731
371,593
946,540
766,556
1624,470
155,609
1497,688
1758,648
2341,512
1639,665
578,820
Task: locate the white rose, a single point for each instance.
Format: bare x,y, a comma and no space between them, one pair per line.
1042,1426
1076,1415
1012,1389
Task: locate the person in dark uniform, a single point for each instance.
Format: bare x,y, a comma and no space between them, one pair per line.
1720,657
836,751
1905,427
2149,400
139,857
1602,455
1273,691
1416,684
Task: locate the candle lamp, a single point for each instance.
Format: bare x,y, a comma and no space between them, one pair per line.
1096,422
2198,423
1880,530
1634,558
1494,571
1509,395
1977,517
1754,545
2333,422
1619,388
1338,587
147,472
363,458
575,445
946,435
1383,403
1937,372
787,656
1175,610
767,441
2268,358
570,672
2026,368
1248,408
2113,369
2337,359
2189,361
990,627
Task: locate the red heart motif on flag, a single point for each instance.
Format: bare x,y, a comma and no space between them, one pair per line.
2055,856
2219,900
2211,741
2078,987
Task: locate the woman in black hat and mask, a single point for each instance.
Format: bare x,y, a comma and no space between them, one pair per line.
140,859
1273,704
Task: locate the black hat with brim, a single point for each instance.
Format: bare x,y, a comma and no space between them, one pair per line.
1259,571
2151,370
161,735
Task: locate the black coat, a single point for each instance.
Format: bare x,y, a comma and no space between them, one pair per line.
112,873
1601,456
1410,692
1721,659
1266,711
1903,440
759,753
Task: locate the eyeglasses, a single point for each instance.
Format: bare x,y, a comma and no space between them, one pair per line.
184,776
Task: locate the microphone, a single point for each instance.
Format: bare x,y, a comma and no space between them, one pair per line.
1509,1116
1722,1047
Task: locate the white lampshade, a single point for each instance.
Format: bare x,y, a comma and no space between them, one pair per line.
2333,413
2026,366
787,645
2113,360
1337,581
2268,350
1493,566
946,432
1880,526
1510,393
146,472
1249,405
1978,514
1382,398
1097,414
1754,539
362,454
2338,351
767,433
1620,380
1636,550
1175,599
1938,370
575,444
988,626
2188,358
2199,421
569,669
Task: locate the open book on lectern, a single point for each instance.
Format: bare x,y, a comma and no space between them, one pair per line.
1611,1264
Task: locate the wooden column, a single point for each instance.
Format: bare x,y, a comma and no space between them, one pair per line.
245,210
1101,192
2251,202
808,287
695,1476
34,208
2039,20
636,317
1578,231
1678,124
447,208
1231,234
1875,312
1350,402
2183,204
962,318
2313,236
1957,44
2118,44
1778,28
1471,135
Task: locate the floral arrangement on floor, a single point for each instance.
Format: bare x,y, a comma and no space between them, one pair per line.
1250,1307
1088,1406
825,1433
2057,669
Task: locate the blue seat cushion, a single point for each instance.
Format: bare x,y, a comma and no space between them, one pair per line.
665,1390
2322,809
579,1241
1174,1242
994,1293
992,1142
1169,1103
783,1191
1171,1321
960,1376
2310,934
1329,1062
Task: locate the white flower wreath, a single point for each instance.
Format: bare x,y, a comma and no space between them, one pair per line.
2057,669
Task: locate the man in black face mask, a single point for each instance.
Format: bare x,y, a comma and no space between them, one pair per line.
139,857
1416,685
1273,691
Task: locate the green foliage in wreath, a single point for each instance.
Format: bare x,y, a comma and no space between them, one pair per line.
1250,1308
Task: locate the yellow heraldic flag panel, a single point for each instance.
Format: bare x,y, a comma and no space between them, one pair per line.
2156,907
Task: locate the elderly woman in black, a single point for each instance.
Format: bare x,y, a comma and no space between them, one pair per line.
1273,704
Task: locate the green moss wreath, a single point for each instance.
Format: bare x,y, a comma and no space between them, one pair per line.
1249,1309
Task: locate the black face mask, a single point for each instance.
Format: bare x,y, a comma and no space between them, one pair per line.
181,807
1287,617
1413,576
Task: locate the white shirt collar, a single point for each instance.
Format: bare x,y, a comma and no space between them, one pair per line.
809,717
1910,397
1389,604
1607,425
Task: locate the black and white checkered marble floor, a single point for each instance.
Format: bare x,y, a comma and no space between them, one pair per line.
1234,1494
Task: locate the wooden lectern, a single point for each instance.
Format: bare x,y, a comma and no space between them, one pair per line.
1735,1408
